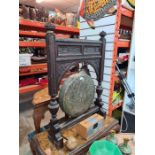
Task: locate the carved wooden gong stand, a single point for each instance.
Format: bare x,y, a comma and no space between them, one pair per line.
62,55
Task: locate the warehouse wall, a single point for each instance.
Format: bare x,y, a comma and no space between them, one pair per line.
106,24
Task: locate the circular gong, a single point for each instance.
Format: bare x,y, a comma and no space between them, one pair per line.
77,94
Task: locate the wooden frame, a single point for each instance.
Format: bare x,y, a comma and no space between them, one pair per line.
62,55
81,149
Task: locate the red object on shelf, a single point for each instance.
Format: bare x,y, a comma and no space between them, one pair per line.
27,81
31,84
43,81
123,58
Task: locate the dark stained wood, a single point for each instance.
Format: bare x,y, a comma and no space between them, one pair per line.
62,55
40,143
73,121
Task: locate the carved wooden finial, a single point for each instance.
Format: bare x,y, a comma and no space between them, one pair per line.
102,34
49,27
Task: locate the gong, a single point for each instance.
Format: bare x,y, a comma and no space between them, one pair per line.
77,94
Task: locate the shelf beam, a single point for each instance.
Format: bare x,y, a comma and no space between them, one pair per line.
32,44
32,34
33,69
32,73
126,12
123,43
30,88
36,34
40,26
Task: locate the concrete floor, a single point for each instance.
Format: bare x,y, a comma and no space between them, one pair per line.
26,124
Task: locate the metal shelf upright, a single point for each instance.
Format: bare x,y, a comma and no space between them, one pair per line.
121,11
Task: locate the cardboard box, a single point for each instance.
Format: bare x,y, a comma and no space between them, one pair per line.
25,60
90,126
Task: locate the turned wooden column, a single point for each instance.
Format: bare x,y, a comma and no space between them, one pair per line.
99,88
54,134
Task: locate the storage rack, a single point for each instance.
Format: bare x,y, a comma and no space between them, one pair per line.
29,28
121,12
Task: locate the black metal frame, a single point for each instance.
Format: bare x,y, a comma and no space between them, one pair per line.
62,55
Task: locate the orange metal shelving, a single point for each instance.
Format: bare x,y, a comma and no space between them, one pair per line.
40,26
36,34
32,73
32,44
30,88
116,78
32,34
33,69
123,43
117,44
29,28
126,12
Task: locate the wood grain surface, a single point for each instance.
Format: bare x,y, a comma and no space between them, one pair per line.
41,145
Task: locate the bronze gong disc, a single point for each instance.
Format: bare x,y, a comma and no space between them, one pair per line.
77,94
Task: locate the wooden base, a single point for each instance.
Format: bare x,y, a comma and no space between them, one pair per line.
41,145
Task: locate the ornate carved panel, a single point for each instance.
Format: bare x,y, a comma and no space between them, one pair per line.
95,64
61,68
92,50
69,50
